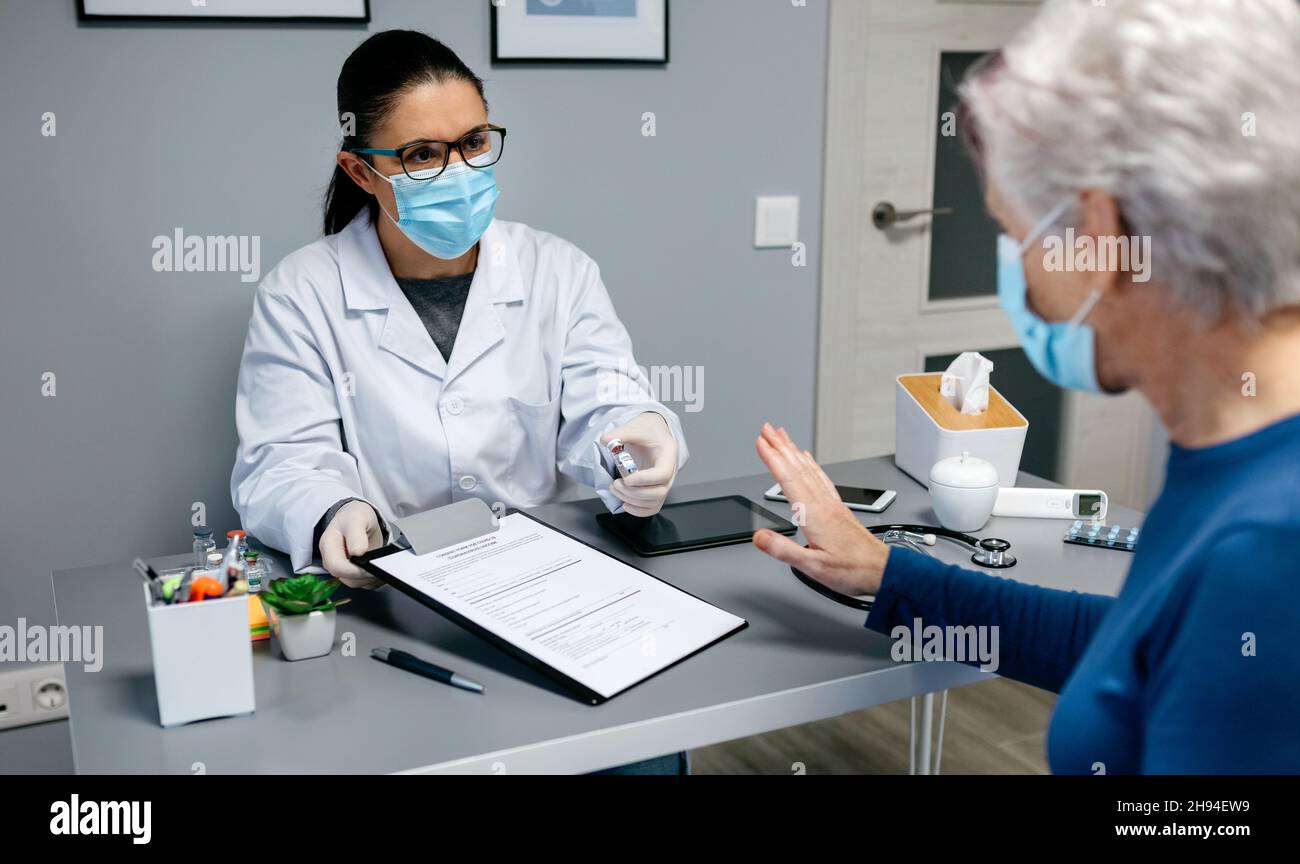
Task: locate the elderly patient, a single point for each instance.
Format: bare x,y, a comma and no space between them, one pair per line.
1173,125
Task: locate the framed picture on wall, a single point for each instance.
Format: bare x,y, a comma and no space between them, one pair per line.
568,31
225,10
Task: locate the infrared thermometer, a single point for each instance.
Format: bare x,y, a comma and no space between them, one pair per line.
1051,503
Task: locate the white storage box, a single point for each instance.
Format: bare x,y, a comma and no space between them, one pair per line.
927,429
202,659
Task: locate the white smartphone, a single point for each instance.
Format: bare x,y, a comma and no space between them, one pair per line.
854,497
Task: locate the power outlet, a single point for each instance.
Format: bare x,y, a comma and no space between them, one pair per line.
32,694
8,701
49,695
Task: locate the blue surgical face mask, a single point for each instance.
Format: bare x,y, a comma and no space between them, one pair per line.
1063,352
447,215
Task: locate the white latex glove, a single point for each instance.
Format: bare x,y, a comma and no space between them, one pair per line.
654,450
354,530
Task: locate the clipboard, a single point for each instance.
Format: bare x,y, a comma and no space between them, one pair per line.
468,520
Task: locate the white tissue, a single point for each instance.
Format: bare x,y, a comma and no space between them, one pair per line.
966,383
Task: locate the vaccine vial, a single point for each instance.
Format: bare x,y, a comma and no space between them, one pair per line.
623,459
203,544
212,566
257,572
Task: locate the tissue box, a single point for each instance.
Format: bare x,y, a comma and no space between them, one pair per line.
202,659
927,428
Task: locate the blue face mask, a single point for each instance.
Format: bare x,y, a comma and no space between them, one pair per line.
447,215
1063,352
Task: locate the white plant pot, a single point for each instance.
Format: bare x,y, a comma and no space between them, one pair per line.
302,637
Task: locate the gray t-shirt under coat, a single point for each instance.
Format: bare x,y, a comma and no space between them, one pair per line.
440,303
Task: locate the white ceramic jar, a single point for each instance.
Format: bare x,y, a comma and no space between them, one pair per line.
963,490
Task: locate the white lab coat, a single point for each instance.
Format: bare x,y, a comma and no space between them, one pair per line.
342,392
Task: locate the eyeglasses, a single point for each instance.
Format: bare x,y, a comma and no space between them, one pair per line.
425,160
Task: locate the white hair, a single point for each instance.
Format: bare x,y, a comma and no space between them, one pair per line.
1185,111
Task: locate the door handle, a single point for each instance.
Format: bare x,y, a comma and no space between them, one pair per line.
885,215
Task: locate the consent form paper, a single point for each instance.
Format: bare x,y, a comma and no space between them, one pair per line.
591,617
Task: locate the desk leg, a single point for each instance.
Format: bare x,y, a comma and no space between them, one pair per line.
927,718
911,739
919,761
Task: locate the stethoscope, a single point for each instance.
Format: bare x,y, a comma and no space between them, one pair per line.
991,552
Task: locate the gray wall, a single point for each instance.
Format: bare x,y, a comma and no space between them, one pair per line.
229,129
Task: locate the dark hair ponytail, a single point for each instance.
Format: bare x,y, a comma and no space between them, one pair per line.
379,72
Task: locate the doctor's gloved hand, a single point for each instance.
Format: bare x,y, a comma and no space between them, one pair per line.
841,554
354,530
652,446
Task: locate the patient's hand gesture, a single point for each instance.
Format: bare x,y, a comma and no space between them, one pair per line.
841,553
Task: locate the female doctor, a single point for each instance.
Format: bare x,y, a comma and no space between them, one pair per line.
422,352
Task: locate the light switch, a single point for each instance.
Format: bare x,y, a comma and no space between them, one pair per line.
776,223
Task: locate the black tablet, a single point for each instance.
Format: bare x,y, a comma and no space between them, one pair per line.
694,525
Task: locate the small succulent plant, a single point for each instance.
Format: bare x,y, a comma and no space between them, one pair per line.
300,595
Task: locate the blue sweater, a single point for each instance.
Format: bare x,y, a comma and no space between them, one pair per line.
1195,666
